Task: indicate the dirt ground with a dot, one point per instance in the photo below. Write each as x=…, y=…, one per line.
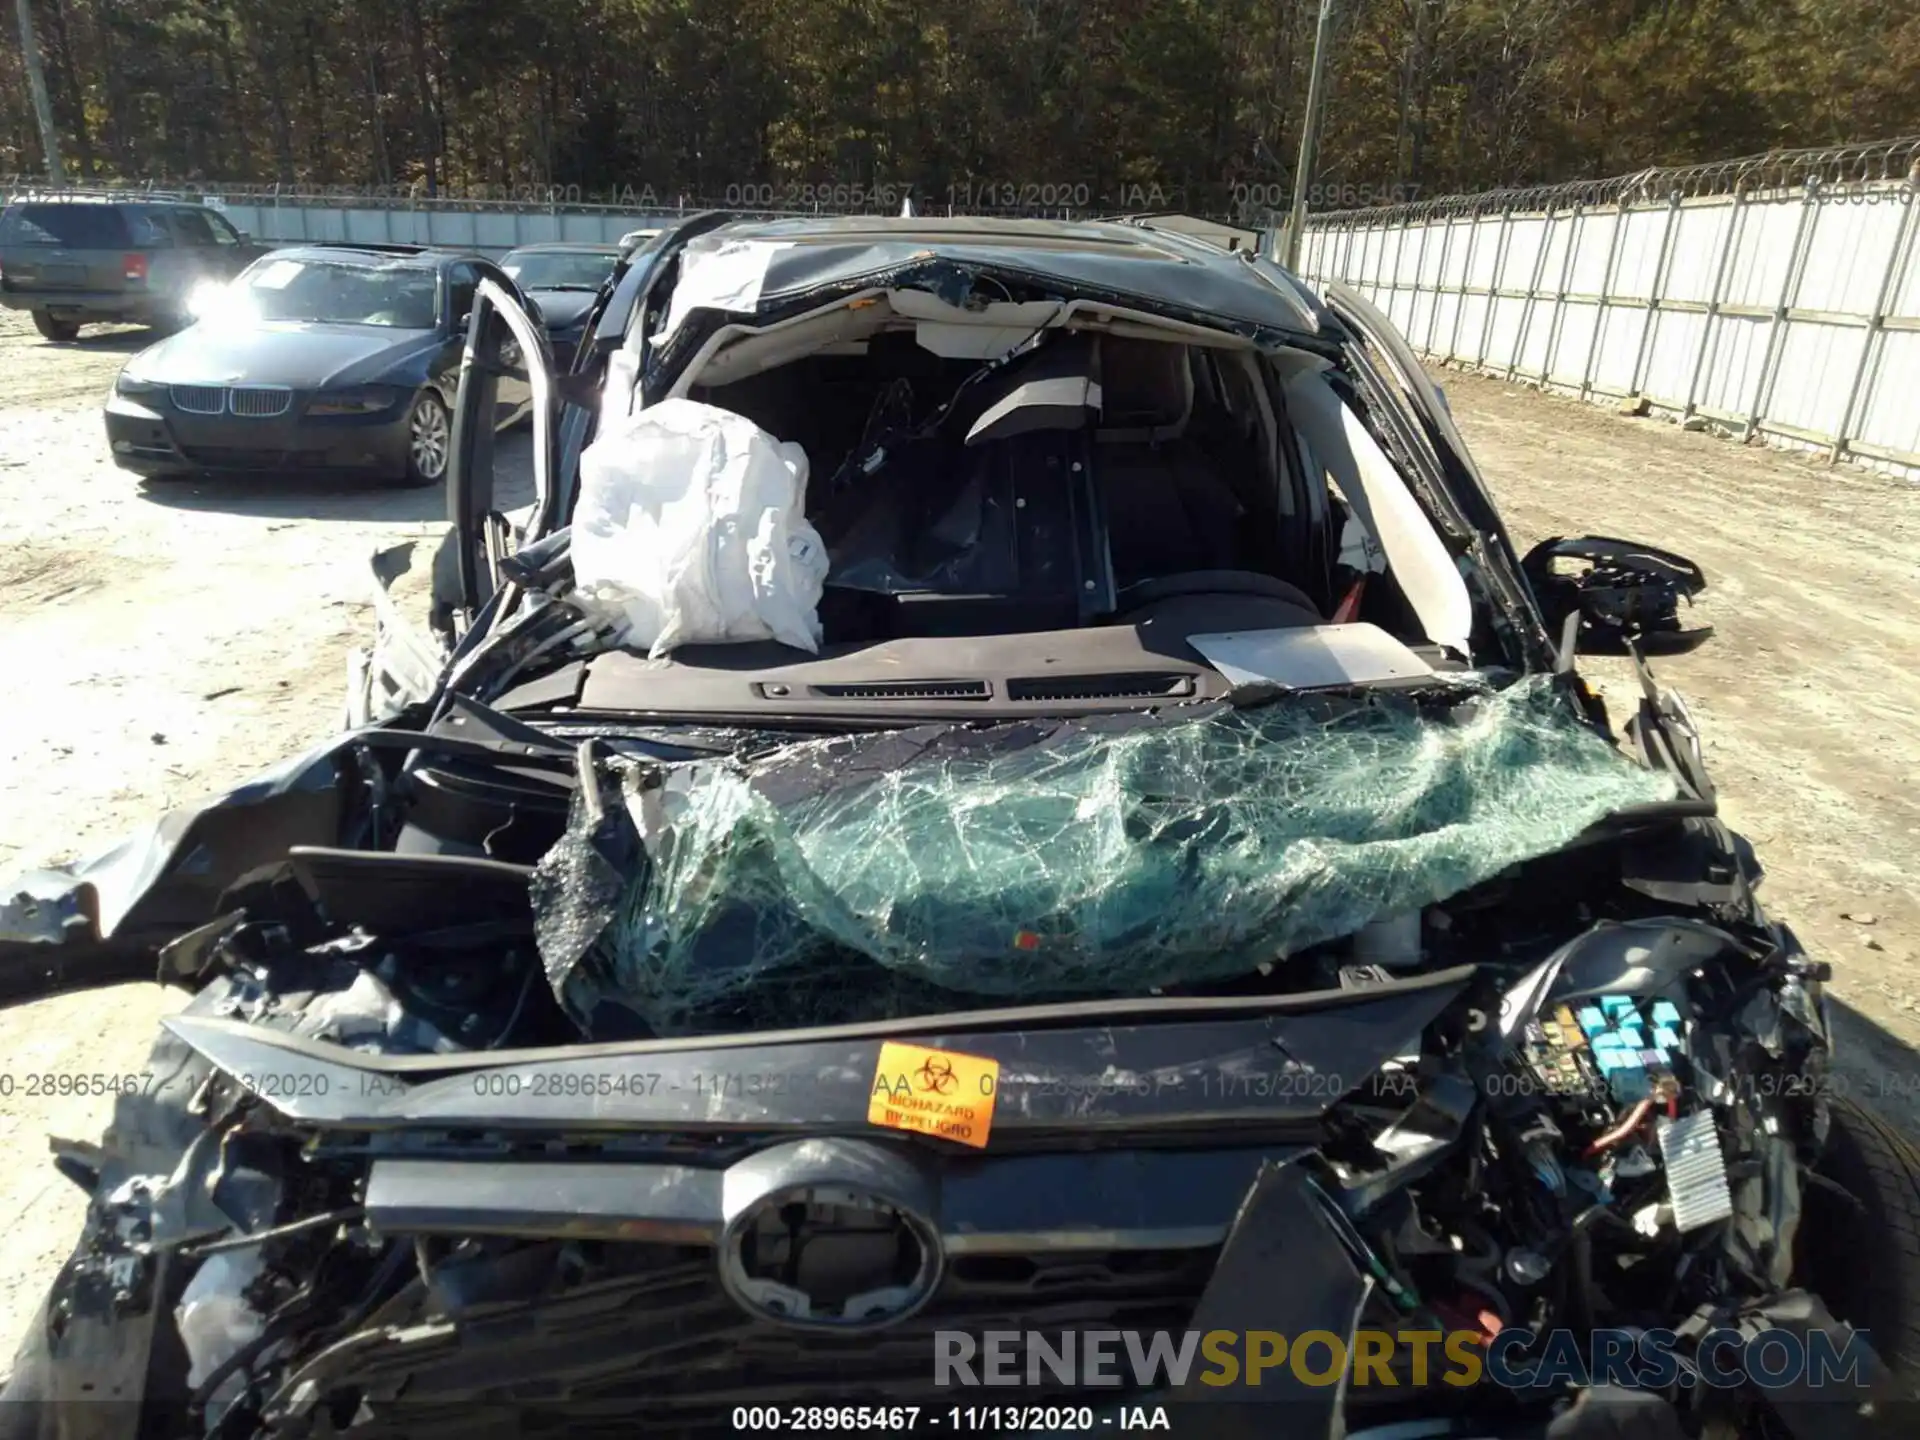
x=163, y=641
x=1805, y=696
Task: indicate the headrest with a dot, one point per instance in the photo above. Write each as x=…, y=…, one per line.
x=1145, y=386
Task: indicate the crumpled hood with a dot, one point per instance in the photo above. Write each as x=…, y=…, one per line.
x=99, y=920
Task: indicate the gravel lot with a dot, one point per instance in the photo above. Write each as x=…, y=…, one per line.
x=166, y=640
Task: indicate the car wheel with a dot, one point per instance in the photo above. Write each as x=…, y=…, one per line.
x=429, y=440
x=1874, y=1286
x=55, y=329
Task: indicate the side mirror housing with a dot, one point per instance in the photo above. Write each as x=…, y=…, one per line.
x=1625, y=594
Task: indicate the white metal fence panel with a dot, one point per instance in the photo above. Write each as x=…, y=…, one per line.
x=491, y=231
x=1777, y=297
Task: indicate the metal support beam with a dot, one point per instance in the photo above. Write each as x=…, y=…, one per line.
x=1309, y=132
x=1439, y=283
x=1493, y=283
x=1419, y=271
x=1399, y=255
x=1607, y=277
x=37, y=83
x=1533, y=291
x=1466, y=278
x=1560, y=295
x=1897, y=260
x=1789, y=290
x=1728, y=243
x=1654, y=292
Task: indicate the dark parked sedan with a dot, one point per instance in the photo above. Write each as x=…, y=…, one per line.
x=562, y=278
x=326, y=358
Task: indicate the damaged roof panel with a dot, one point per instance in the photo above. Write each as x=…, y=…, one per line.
x=743, y=268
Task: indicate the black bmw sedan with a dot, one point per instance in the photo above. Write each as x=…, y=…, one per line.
x=562, y=277
x=315, y=358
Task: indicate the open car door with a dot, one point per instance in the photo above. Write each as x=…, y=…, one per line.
x=502, y=343
x=564, y=407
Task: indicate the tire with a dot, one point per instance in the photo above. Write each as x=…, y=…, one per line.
x=60, y=330
x=1863, y=1258
x=426, y=462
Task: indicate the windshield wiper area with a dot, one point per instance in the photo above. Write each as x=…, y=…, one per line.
x=465, y=726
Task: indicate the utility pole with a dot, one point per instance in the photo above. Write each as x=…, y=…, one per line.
x=37, y=81
x=1309, y=133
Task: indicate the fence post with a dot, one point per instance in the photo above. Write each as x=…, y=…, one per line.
x=1533, y=288
x=1493, y=283
x=1419, y=269
x=1727, y=245
x=1876, y=321
x=1439, y=282
x=1560, y=293
x=1466, y=278
x=1654, y=293
x=1789, y=292
x=1399, y=256
x=1606, y=292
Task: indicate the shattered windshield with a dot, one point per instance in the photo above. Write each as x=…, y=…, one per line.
x=402, y=297
x=560, y=269
x=908, y=872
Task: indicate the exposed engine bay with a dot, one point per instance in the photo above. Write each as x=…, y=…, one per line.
x=365, y=1193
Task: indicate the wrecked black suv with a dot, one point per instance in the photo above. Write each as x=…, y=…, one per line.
x=1009, y=780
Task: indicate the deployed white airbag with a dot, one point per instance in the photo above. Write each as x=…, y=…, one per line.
x=691, y=524
x=1382, y=503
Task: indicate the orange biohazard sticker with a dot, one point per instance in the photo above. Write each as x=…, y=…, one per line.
x=934, y=1092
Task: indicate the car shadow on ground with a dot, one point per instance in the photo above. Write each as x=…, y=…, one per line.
x=295, y=495
x=123, y=340
x=303, y=495
x=1875, y=1067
